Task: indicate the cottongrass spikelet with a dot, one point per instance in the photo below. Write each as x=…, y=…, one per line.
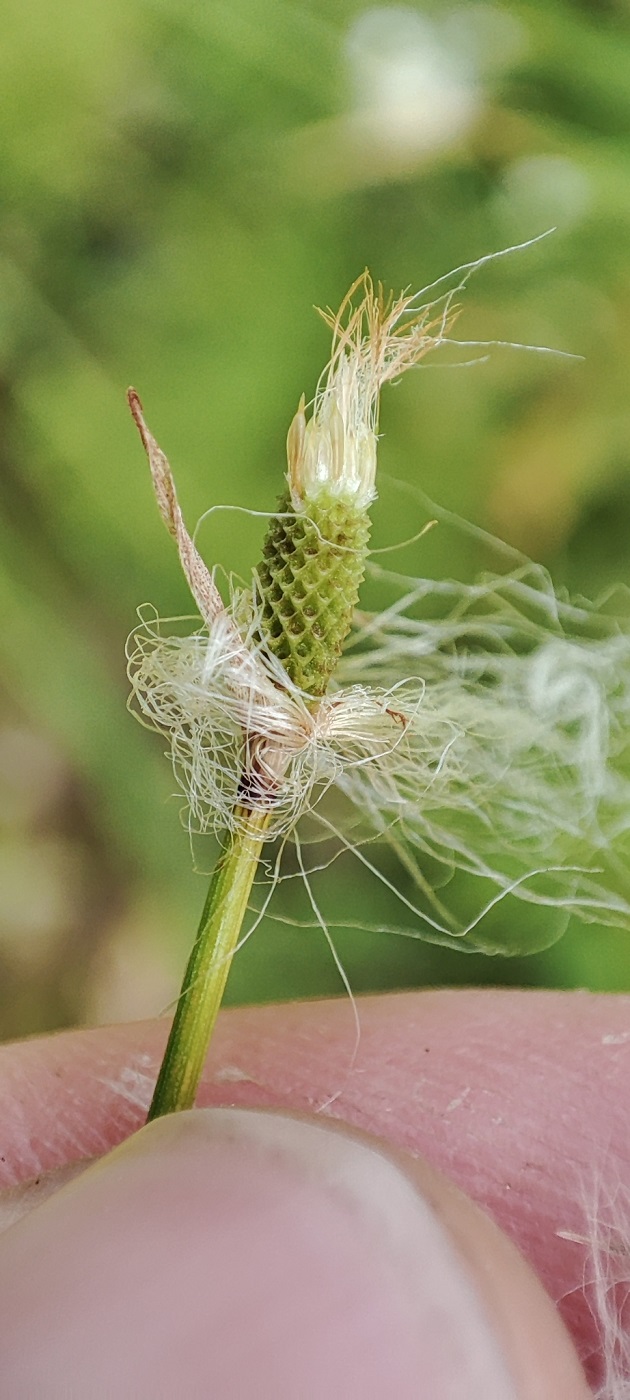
x=470, y=744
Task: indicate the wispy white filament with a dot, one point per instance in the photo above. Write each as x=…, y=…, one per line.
x=516, y=761
x=605, y=1243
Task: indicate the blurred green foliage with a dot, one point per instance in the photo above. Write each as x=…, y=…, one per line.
x=180, y=183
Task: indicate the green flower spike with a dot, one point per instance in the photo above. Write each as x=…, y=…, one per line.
x=254, y=691
x=314, y=554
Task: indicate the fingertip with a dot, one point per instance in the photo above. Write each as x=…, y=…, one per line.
x=246, y=1253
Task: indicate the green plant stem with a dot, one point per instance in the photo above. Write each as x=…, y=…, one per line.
x=208, y=967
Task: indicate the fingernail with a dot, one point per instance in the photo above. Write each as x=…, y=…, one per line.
x=239, y=1254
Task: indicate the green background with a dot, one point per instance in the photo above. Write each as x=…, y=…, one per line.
x=180, y=183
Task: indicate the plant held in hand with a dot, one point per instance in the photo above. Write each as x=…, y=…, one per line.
x=475, y=733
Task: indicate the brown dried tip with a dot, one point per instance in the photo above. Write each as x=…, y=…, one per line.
x=133, y=399
x=198, y=576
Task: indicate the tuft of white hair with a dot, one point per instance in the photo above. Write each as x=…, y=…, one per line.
x=514, y=767
x=477, y=732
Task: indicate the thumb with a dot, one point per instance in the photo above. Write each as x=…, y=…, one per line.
x=243, y=1254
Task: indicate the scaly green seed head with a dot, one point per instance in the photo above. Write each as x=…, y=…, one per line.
x=315, y=550
x=309, y=580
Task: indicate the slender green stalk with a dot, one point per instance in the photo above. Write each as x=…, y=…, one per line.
x=208, y=967
x=303, y=599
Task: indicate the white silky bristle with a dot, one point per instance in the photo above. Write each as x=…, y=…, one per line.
x=605, y=1245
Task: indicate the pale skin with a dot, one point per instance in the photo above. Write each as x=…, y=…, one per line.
x=517, y=1099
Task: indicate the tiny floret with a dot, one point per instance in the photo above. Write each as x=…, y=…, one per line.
x=373, y=341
